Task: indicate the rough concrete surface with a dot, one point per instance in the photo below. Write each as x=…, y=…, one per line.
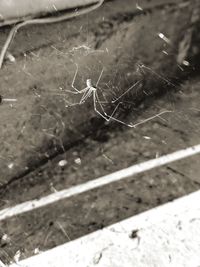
x=99, y=155
x=39, y=131
x=39, y=125
x=160, y=237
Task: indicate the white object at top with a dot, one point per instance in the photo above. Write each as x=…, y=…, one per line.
x=15, y=10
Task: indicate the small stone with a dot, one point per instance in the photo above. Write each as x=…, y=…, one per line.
x=11, y=165
x=36, y=251
x=62, y=163
x=5, y=239
x=77, y=161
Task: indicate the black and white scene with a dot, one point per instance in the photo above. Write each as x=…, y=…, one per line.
x=100, y=133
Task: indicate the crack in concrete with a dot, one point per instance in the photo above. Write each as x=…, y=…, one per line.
x=182, y=174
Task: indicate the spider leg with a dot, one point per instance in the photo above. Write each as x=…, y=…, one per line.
x=73, y=81
x=151, y=118
x=105, y=115
x=129, y=89
x=69, y=104
x=102, y=108
x=104, y=97
x=86, y=95
x=75, y=92
x=142, y=66
x=100, y=103
x=82, y=100
x=99, y=77
x=72, y=85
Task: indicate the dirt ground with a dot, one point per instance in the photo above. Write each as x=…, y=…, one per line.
x=93, y=147
x=117, y=42
x=107, y=151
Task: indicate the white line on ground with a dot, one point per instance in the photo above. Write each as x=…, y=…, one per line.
x=113, y=177
x=166, y=236
x=2, y=264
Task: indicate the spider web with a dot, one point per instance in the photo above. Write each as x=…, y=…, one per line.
x=44, y=116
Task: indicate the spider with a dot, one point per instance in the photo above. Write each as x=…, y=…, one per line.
x=92, y=91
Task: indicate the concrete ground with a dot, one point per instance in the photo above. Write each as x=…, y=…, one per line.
x=105, y=152
x=88, y=146
x=163, y=236
x=117, y=43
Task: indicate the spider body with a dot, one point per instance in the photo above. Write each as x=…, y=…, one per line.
x=89, y=83
x=92, y=91
x=88, y=91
